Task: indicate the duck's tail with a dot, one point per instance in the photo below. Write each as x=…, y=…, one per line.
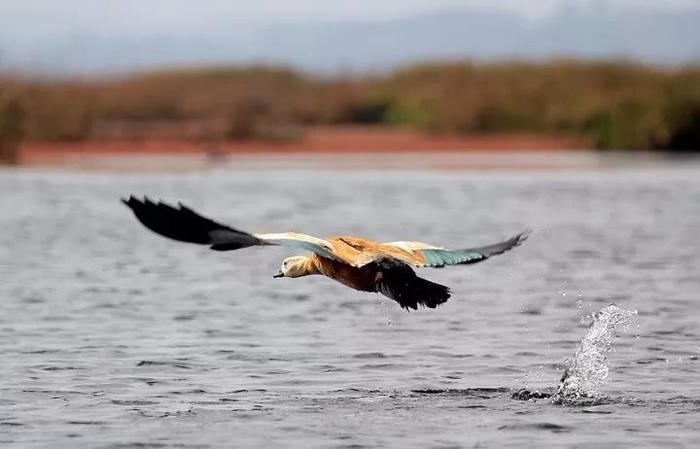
x=399, y=282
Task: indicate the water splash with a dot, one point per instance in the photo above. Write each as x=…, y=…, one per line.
x=588, y=370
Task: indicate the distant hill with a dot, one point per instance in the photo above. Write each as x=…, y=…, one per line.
x=665, y=37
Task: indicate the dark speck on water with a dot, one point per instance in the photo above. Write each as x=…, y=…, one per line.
x=113, y=337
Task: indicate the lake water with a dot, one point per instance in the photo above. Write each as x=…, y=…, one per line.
x=112, y=337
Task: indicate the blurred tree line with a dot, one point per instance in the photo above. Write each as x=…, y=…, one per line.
x=11, y=128
x=615, y=105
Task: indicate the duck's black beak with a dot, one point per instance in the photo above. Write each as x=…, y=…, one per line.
x=279, y=274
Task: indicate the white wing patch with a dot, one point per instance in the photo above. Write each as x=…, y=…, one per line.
x=277, y=236
x=413, y=246
x=296, y=240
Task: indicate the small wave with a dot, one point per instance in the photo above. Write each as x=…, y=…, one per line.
x=132, y=402
x=369, y=355
x=555, y=428
x=476, y=393
x=163, y=363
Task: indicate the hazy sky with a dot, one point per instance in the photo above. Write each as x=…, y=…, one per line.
x=94, y=34
x=22, y=20
x=21, y=14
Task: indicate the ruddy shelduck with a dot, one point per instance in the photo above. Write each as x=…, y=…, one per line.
x=364, y=265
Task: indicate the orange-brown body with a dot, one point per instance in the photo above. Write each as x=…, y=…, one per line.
x=364, y=278
x=361, y=274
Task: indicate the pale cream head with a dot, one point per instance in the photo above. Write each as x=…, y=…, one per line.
x=293, y=267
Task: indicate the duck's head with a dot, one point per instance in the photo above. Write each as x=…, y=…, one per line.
x=293, y=267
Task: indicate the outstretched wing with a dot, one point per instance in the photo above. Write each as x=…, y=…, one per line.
x=183, y=224
x=426, y=255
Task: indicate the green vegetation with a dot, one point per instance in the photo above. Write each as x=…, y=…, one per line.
x=11, y=128
x=615, y=105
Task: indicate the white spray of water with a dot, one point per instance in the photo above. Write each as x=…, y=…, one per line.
x=588, y=370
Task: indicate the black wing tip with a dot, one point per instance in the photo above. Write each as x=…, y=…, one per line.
x=174, y=222
x=524, y=235
x=178, y=222
x=130, y=202
x=135, y=202
x=509, y=244
x=489, y=251
x=513, y=242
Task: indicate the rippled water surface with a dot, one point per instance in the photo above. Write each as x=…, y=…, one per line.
x=112, y=337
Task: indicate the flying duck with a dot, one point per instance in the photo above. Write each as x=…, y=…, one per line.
x=364, y=265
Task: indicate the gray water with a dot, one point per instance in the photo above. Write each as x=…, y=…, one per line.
x=112, y=337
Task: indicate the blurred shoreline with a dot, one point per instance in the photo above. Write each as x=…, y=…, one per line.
x=326, y=141
x=336, y=148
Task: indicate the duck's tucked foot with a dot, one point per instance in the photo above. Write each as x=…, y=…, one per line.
x=399, y=282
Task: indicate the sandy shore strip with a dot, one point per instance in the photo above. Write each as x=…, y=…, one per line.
x=337, y=148
x=442, y=161
x=321, y=140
